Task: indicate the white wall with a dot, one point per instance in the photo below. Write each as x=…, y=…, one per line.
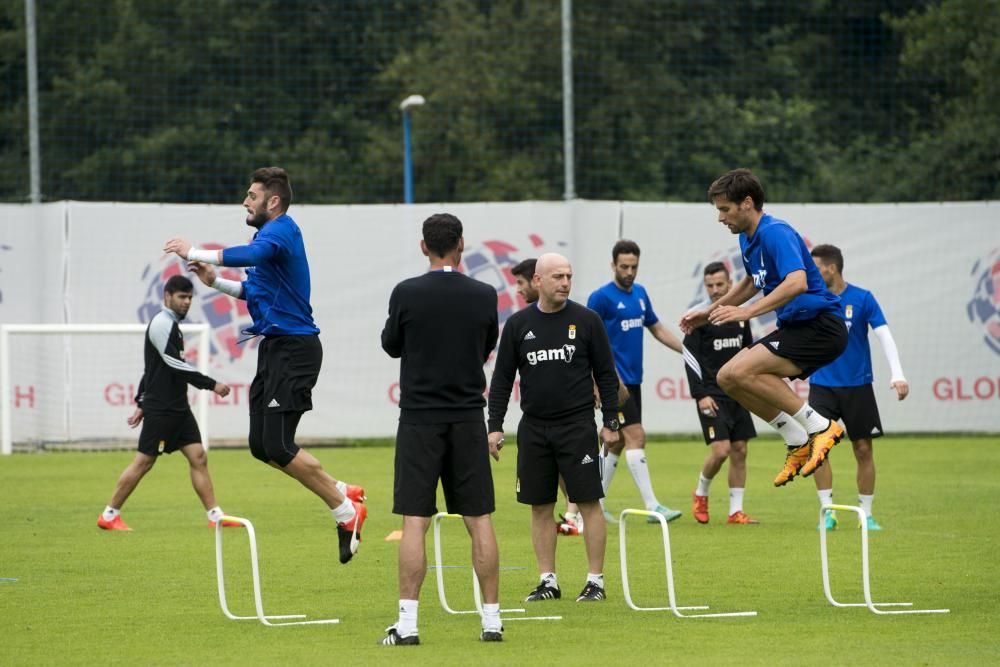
x=101, y=262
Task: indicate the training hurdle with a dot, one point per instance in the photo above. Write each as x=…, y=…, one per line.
x=476, y=591
x=671, y=597
x=865, y=572
x=255, y=570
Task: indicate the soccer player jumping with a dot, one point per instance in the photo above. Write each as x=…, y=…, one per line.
x=810, y=332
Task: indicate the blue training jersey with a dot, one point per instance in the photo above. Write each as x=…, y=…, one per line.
x=853, y=368
x=774, y=251
x=277, y=286
x=625, y=316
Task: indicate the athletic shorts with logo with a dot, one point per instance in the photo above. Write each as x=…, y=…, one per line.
x=544, y=452
x=458, y=454
x=855, y=405
x=731, y=422
x=166, y=433
x=287, y=370
x=631, y=411
x=809, y=344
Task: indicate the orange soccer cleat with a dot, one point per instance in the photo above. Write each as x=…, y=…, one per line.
x=794, y=460
x=227, y=523
x=114, y=524
x=356, y=493
x=740, y=517
x=822, y=443
x=699, y=508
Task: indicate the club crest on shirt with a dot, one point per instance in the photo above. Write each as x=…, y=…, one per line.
x=572, y=332
x=642, y=304
x=849, y=311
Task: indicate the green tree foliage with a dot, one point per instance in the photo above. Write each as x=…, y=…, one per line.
x=869, y=100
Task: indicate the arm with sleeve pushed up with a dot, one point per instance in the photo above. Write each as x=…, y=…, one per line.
x=159, y=336
x=502, y=383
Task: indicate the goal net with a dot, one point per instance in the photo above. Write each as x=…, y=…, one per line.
x=72, y=386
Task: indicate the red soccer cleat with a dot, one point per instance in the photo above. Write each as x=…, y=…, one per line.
x=356, y=493
x=699, y=508
x=114, y=524
x=740, y=517
x=349, y=533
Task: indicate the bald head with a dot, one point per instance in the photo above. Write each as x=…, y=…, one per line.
x=553, y=279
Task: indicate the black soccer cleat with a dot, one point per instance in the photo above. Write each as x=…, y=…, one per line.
x=349, y=533
x=492, y=635
x=590, y=593
x=544, y=592
x=393, y=638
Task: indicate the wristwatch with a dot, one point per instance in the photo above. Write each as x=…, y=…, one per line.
x=612, y=424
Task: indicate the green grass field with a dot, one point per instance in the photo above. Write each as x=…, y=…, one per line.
x=86, y=597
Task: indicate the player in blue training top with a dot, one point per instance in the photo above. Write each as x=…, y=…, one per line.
x=276, y=290
x=843, y=389
x=810, y=332
x=627, y=312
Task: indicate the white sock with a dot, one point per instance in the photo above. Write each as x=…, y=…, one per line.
x=596, y=579
x=549, y=579
x=810, y=420
x=343, y=512
x=636, y=459
x=407, y=624
x=866, y=503
x=790, y=430
x=735, y=500
x=825, y=496
x=491, y=617
x=703, y=484
x=110, y=513
x=215, y=514
x=342, y=487
x=610, y=464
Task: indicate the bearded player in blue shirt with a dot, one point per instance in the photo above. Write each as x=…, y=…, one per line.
x=627, y=312
x=843, y=389
x=810, y=331
x=276, y=290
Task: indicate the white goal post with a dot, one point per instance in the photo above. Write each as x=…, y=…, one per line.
x=67, y=367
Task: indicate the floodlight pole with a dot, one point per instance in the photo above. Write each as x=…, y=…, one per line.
x=34, y=144
x=404, y=106
x=569, y=193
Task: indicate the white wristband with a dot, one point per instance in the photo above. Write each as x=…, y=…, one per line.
x=231, y=287
x=206, y=256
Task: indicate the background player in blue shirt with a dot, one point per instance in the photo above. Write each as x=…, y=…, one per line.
x=843, y=389
x=810, y=332
x=627, y=312
x=276, y=290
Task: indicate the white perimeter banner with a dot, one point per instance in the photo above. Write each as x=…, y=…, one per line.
x=935, y=269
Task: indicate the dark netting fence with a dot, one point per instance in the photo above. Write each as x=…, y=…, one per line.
x=861, y=100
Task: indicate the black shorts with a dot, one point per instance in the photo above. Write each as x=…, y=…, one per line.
x=546, y=452
x=731, y=422
x=855, y=405
x=287, y=370
x=809, y=344
x=166, y=433
x=456, y=453
x=631, y=411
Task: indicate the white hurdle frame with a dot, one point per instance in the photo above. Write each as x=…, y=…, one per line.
x=865, y=571
x=255, y=569
x=477, y=595
x=671, y=596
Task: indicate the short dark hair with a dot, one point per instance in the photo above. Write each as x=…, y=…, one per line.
x=736, y=186
x=525, y=269
x=275, y=182
x=830, y=254
x=624, y=247
x=716, y=267
x=177, y=284
x=442, y=232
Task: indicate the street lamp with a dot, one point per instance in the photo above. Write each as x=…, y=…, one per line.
x=404, y=106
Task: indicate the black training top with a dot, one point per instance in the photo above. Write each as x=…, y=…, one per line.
x=559, y=356
x=163, y=388
x=443, y=326
x=707, y=349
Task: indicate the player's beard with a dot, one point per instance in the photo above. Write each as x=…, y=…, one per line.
x=257, y=219
x=626, y=283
